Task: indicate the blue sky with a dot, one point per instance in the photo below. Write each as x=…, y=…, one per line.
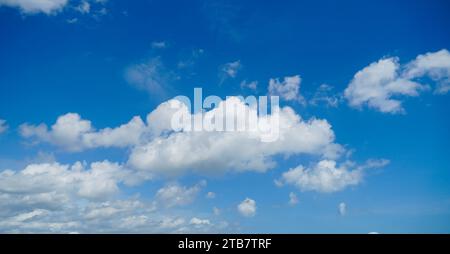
x=375, y=72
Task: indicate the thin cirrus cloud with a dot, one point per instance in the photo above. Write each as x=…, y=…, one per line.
x=159, y=44
x=383, y=84
x=157, y=77
x=151, y=76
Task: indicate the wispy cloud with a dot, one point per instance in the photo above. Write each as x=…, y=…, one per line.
x=3, y=126
x=84, y=7
x=342, y=209
x=159, y=44
x=151, y=76
x=229, y=70
x=252, y=85
x=325, y=96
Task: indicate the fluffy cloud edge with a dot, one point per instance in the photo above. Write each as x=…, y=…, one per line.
x=382, y=85
x=327, y=176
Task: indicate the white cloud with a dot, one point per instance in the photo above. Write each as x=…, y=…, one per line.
x=288, y=89
x=51, y=182
x=73, y=133
x=156, y=149
x=3, y=126
x=324, y=177
x=371, y=163
x=113, y=216
x=210, y=195
x=342, y=208
x=383, y=84
x=36, y=6
x=199, y=222
x=160, y=120
x=111, y=208
x=84, y=7
x=229, y=70
x=29, y=215
x=159, y=44
x=436, y=65
x=172, y=222
x=182, y=151
x=53, y=197
x=247, y=207
x=253, y=85
x=57, y=198
x=72, y=20
x=378, y=84
x=327, y=177
x=293, y=200
x=177, y=195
